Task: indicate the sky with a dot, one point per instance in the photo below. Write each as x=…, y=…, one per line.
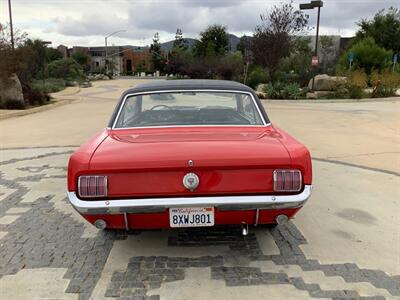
x=87, y=22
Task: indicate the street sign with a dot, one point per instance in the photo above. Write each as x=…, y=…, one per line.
x=351, y=57
x=314, y=61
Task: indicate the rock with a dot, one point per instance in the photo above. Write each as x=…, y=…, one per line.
x=261, y=95
x=260, y=87
x=310, y=95
x=11, y=89
x=324, y=82
x=86, y=84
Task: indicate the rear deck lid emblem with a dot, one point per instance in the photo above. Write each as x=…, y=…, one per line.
x=191, y=181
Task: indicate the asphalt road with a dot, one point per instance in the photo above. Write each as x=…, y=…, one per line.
x=344, y=244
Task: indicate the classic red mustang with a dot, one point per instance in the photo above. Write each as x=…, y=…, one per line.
x=189, y=153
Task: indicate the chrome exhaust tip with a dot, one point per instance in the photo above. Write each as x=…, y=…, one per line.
x=245, y=229
x=100, y=224
x=281, y=219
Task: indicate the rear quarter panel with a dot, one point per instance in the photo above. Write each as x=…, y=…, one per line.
x=299, y=154
x=79, y=161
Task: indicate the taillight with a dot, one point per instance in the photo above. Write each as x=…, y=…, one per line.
x=92, y=186
x=287, y=180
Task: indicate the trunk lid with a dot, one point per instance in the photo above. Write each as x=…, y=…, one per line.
x=152, y=162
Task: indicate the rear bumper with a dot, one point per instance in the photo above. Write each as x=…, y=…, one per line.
x=155, y=205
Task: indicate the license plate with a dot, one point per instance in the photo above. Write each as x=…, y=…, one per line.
x=191, y=216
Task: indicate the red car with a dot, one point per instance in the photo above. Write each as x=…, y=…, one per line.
x=189, y=153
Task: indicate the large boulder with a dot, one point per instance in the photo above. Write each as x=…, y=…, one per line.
x=11, y=90
x=325, y=82
x=260, y=87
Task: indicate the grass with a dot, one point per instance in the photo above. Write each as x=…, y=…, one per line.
x=50, y=85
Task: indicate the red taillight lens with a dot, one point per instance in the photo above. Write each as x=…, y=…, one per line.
x=287, y=180
x=92, y=186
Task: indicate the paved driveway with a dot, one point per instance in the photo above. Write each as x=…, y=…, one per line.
x=345, y=243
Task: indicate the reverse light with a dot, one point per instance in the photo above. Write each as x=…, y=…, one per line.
x=92, y=186
x=287, y=180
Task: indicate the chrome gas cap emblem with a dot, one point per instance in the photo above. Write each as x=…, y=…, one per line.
x=191, y=181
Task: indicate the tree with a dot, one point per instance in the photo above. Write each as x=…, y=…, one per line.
x=157, y=59
x=384, y=28
x=367, y=55
x=297, y=66
x=179, y=42
x=328, y=54
x=66, y=68
x=213, y=41
x=53, y=54
x=83, y=59
x=274, y=38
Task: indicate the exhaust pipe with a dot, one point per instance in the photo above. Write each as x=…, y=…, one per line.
x=245, y=229
x=281, y=219
x=100, y=224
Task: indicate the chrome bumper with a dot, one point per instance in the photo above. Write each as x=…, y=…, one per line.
x=149, y=205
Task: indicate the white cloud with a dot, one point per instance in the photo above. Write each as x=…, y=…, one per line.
x=86, y=22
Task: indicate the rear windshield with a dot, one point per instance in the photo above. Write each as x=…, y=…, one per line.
x=188, y=108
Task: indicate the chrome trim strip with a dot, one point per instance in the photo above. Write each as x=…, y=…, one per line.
x=160, y=204
x=184, y=91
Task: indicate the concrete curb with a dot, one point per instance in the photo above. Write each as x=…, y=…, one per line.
x=56, y=103
x=389, y=99
x=19, y=113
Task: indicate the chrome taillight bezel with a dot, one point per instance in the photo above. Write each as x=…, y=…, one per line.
x=291, y=172
x=96, y=178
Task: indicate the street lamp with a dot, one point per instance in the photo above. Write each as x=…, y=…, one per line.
x=105, y=39
x=11, y=24
x=312, y=5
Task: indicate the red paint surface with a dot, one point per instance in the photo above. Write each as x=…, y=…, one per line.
x=151, y=162
x=161, y=220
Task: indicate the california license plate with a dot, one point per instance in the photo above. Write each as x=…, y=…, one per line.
x=191, y=216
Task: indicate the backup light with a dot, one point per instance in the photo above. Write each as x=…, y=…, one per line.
x=287, y=180
x=92, y=186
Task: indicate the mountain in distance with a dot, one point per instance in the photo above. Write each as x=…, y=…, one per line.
x=233, y=42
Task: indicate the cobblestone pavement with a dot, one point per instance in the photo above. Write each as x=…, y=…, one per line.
x=332, y=250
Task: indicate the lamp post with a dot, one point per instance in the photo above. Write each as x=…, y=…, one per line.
x=105, y=39
x=11, y=24
x=312, y=5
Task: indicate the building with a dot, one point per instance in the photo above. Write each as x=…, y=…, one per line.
x=122, y=60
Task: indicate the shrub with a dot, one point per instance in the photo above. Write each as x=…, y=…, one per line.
x=367, y=55
x=66, y=68
x=356, y=83
x=256, y=76
x=12, y=104
x=51, y=85
x=385, y=83
x=34, y=97
x=279, y=90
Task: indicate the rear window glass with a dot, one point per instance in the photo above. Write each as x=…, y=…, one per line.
x=188, y=108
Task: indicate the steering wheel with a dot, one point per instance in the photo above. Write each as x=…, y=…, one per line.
x=160, y=105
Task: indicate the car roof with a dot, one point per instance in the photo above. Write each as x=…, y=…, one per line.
x=189, y=84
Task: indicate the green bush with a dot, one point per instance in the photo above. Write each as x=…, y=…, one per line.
x=385, y=83
x=50, y=85
x=280, y=90
x=256, y=76
x=367, y=55
x=66, y=68
x=356, y=83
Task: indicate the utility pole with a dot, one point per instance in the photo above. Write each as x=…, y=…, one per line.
x=106, y=50
x=11, y=24
x=312, y=5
